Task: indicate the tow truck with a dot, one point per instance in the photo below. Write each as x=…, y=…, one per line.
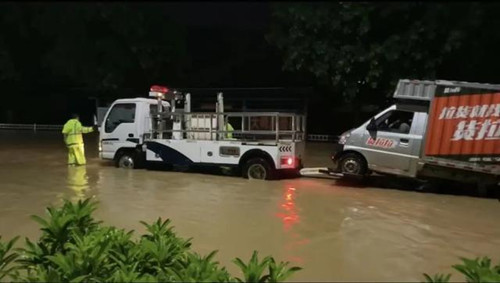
x=162, y=129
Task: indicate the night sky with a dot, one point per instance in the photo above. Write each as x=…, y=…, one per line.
x=223, y=42
x=242, y=15
x=230, y=33
x=227, y=31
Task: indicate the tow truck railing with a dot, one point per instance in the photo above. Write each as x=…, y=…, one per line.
x=294, y=128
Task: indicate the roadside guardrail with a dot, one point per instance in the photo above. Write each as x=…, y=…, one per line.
x=33, y=127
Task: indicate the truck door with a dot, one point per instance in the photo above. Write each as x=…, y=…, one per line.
x=119, y=129
x=392, y=146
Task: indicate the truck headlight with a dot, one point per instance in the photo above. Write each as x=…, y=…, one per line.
x=343, y=138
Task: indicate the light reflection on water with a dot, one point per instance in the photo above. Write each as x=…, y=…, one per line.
x=78, y=182
x=290, y=217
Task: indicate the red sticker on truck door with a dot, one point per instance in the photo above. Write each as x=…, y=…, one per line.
x=381, y=142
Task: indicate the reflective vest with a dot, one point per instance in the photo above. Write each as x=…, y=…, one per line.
x=229, y=128
x=73, y=131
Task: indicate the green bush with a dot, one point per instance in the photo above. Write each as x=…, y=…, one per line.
x=75, y=247
x=477, y=270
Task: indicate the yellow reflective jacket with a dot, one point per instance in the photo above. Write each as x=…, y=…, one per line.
x=73, y=131
x=229, y=128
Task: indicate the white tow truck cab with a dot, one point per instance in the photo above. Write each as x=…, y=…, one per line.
x=138, y=131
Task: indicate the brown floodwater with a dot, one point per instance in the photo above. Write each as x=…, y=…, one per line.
x=335, y=232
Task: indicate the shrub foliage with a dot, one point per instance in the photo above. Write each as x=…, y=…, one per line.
x=477, y=270
x=75, y=247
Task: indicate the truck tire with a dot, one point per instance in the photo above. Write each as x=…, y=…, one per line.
x=127, y=160
x=353, y=164
x=259, y=169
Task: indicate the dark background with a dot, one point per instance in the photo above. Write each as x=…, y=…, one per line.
x=58, y=58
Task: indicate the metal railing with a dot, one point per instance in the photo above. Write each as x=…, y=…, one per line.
x=34, y=127
x=293, y=128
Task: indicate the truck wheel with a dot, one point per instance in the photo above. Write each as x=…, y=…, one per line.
x=353, y=164
x=258, y=168
x=127, y=160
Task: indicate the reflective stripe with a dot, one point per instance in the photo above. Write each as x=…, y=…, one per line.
x=74, y=144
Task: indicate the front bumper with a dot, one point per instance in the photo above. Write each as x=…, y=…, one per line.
x=335, y=156
x=300, y=164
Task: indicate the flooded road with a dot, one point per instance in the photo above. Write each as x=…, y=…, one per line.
x=337, y=233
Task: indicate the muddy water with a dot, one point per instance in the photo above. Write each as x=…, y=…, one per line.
x=336, y=233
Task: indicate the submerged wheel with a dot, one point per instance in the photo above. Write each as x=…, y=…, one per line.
x=486, y=189
x=353, y=164
x=258, y=168
x=127, y=161
x=228, y=171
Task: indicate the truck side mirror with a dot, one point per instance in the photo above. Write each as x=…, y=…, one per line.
x=372, y=126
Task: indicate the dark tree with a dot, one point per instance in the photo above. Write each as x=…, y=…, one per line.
x=360, y=50
x=103, y=46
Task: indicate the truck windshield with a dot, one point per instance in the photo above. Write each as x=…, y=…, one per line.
x=120, y=113
x=395, y=121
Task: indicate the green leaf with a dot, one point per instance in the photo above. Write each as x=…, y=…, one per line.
x=40, y=220
x=437, y=278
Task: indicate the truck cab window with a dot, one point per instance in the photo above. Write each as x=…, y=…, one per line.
x=153, y=109
x=121, y=113
x=395, y=121
x=166, y=123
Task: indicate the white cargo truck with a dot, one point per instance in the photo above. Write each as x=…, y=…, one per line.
x=139, y=131
x=444, y=130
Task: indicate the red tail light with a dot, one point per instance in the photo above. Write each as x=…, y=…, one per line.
x=287, y=161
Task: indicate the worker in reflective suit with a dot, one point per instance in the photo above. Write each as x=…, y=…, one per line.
x=72, y=132
x=229, y=129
